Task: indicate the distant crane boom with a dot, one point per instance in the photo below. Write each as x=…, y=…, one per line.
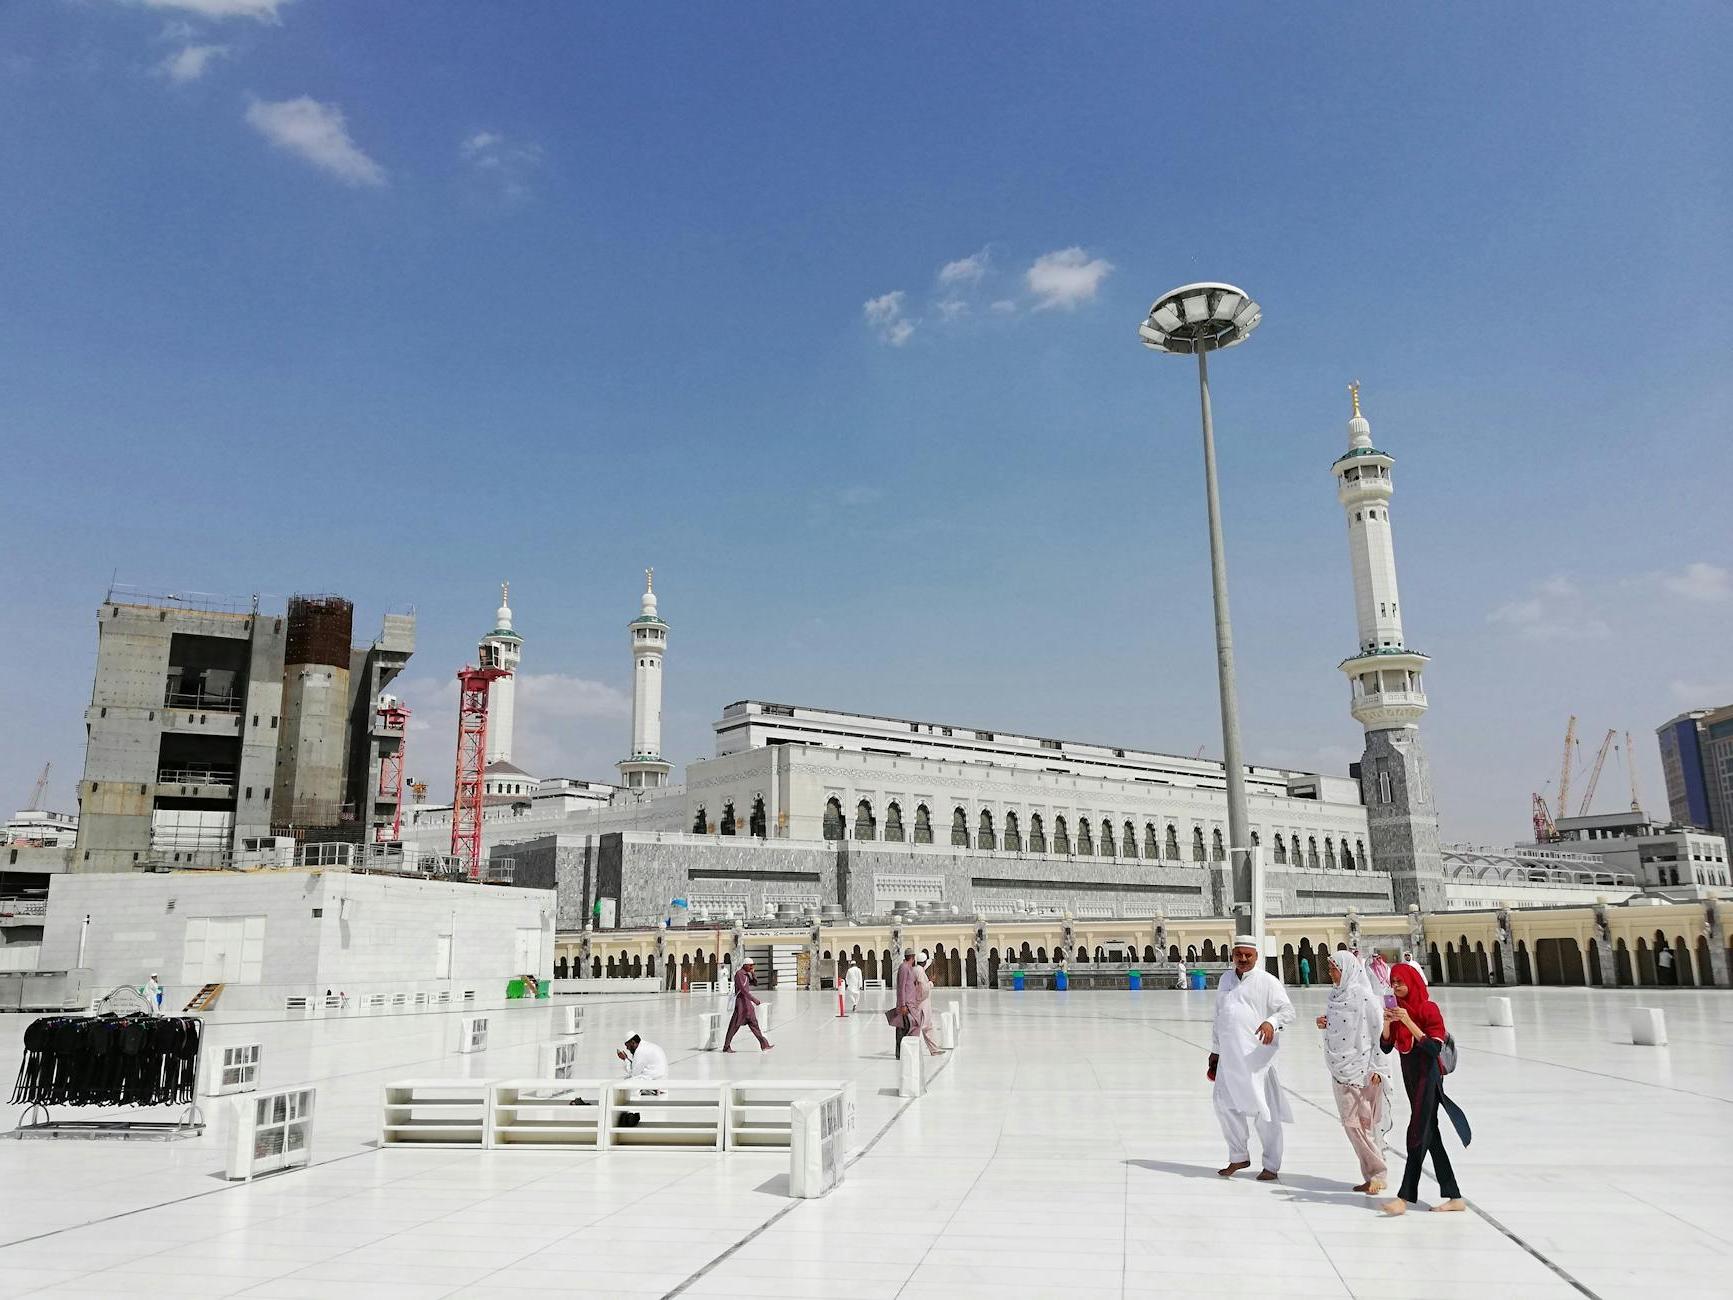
x=41, y=788
x=1564, y=776
x=1595, y=774
x=1544, y=831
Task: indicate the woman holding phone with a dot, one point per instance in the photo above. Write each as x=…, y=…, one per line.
x=1415, y=1028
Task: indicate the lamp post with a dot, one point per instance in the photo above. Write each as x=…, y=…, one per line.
x=1197, y=319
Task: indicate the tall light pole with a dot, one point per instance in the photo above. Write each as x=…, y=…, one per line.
x=1197, y=319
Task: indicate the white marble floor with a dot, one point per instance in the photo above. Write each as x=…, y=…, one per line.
x=1066, y=1150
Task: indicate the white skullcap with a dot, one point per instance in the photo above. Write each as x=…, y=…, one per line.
x=1246, y=941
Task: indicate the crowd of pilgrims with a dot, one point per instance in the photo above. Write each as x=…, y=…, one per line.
x=136, y=1060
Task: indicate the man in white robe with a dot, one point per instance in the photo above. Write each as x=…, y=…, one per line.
x=853, y=982
x=1252, y=1010
x=644, y=1061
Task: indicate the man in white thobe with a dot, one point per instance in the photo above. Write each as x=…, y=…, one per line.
x=852, y=984
x=645, y=1062
x=1252, y=1009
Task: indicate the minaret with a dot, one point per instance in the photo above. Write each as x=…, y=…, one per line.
x=1387, y=697
x=646, y=769
x=501, y=648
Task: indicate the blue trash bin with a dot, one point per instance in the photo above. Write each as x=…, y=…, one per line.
x=1061, y=980
x=1136, y=979
x=1199, y=980
x=1017, y=981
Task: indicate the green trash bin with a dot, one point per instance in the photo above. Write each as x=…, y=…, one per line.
x=515, y=989
x=1017, y=981
x=1135, y=978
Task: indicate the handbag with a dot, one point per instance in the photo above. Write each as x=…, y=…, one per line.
x=1447, y=1055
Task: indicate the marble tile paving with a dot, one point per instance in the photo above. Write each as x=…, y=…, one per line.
x=1067, y=1149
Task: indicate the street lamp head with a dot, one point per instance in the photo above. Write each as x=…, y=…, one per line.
x=1203, y=317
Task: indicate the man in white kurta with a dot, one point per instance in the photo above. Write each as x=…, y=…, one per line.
x=645, y=1061
x=1252, y=1010
x=852, y=983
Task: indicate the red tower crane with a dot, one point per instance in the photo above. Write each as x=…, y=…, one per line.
x=393, y=716
x=466, y=797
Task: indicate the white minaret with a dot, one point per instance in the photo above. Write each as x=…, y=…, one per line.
x=501, y=648
x=1387, y=697
x=646, y=769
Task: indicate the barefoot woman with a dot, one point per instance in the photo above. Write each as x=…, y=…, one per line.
x=1415, y=1028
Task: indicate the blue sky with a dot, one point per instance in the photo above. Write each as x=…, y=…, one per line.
x=400, y=300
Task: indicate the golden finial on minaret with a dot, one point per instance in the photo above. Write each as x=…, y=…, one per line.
x=1354, y=390
x=650, y=579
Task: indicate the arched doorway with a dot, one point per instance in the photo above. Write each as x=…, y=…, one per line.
x=1434, y=967
x=1524, y=967
x=937, y=970
x=1595, y=963
x=833, y=818
x=1558, y=962
x=1483, y=971
x=1705, y=969
x=992, y=968
x=1622, y=973
x=1290, y=965
x=971, y=977
x=1645, y=965
x=1682, y=970
x=755, y=824
x=1495, y=973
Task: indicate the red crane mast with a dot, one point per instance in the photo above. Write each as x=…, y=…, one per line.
x=466, y=799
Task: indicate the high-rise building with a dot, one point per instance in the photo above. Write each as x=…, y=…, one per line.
x=1697, y=761
x=646, y=768
x=209, y=727
x=1387, y=696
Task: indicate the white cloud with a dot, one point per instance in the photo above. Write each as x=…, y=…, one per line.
x=190, y=63
x=264, y=11
x=317, y=133
x=1705, y=583
x=1066, y=278
x=1558, y=610
x=505, y=162
x=966, y=270
x=1004, y=307
x=951, y=308
x=885, y=313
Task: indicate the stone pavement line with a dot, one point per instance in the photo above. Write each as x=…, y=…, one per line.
x=794, y=1205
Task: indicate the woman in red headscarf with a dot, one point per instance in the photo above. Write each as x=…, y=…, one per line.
x=1415, y=1028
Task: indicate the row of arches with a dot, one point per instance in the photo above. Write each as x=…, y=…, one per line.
x=1101, y=838
x=729, y=824
x=1662, y=962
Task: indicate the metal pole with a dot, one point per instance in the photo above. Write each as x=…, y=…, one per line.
x=1239, y=832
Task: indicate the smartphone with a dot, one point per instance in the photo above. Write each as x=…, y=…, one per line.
x=1390, y=1001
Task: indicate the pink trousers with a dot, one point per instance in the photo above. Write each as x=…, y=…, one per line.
x=1361, y=1110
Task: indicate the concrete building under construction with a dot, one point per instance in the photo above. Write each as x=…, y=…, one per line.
x=214, y=730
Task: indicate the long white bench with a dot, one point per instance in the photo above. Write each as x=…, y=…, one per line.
x=547, y=1114
x=690, y=1114
x=761, y=1111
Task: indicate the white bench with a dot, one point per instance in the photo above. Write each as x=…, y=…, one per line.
x=688, y=1114
x=556, y=1114
x=761, y=1111
x=435, y=1112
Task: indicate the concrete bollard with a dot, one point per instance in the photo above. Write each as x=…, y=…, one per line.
x=1498, y=1013
x=911, y=1080
x=711, y=1031
x=947, y=1031
x=1648, y=1027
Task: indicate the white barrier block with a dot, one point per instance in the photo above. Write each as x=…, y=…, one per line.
x=570, y=1020
x=710, y=1031
x=558, y=1060
x=817, y=1145
x=1498, y=1013
x=947, y=1031
x=911, y=1081
x=1648, y=1027
x=268, y=1131
x=233, y=1068
x=471, y=1034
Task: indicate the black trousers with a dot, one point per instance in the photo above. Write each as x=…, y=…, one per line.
x=1434, y=1147
x=1425, y=1088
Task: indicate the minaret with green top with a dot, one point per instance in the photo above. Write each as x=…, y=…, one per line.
x=501, y=648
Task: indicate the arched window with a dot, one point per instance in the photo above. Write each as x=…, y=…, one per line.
x=832, y=818
x=1171, y=852
x=923, y=825
x=1128, y=841
x=1281, y=851
x=1311, y=850
x=1348, y=861
x=1216, y=853
x=894, y=823
x=1329, y=853
x=1061, y=837
x=1256, y=842
x=1037, y=834
x=699, y=825
x=1360, y=855
x=960, y=829
x=1107, y=837
x=1299, y=859
x=984, y=837
x=1013, y=836
x=755, y=819
x=865, y=828
x=1197, y=844
x=728, y=818
x=1085, y=841
x=1151, y=844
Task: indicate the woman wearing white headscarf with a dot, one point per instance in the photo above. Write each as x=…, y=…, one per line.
x=1353, y=1023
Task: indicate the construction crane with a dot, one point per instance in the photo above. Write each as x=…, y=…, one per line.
x=1564, y=776
x=1595, y=775
x=1544, y=830
x=41, y=788
x=393, y=715
x=466, y=793
x=1631, y=769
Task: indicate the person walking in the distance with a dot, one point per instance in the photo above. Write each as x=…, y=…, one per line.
x=1252, y=1009
x=745, y=1009
x=1353, y=1022
x=1305, y=972
x=904, y=1015
x=1415, y=1028
x=852, y=984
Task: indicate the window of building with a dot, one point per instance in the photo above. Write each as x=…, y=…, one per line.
x=1037, y=834
x=894, y=823
x=1197, y=844
x=1013, y=834
x=1128, y=841
x=984, y=837
x=959, y=829
x=1085, y=840
x=1216, y=851
x=1171, y=853
x=832, y=819
x=923, y=825
x=1061, y=837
